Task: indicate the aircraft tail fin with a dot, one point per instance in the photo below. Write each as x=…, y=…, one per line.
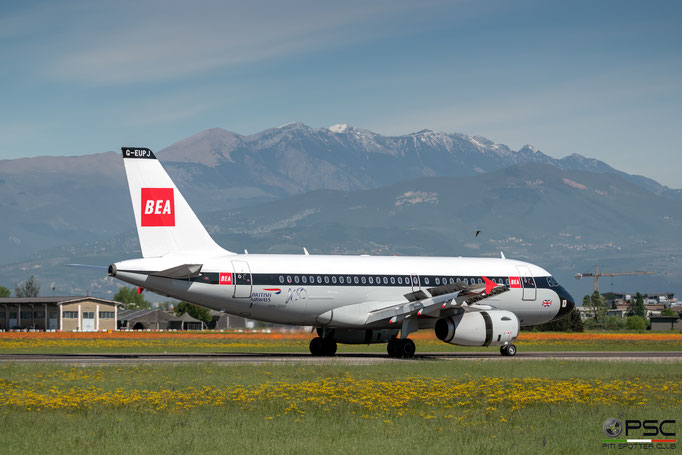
x=165, y=222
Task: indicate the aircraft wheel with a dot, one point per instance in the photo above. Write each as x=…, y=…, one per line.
x=328, y=346
x=316, y=346
x=511, y=350
x=407, y=348
x=392, y=348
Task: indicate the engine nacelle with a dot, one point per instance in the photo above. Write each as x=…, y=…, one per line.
x=479, y=328
x=355, y=336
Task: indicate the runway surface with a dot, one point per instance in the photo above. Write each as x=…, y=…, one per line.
x=344, y=358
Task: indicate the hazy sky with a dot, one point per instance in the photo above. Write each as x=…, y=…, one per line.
x=603, y=79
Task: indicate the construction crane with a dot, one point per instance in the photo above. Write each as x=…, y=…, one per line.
x=598, y=274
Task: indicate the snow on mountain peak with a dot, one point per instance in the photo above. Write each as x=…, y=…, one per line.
x=339, y=128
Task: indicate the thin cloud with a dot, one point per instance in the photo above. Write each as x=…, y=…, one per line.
x=125, y=43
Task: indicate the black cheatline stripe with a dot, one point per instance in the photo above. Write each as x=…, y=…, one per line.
x=273, y=279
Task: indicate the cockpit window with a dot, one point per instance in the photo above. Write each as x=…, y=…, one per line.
x=552, y=282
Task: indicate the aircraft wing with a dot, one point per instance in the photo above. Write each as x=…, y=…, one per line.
x=181, y=271
x=432, y=301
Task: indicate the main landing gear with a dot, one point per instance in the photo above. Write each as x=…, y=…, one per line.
x=401, y=348
x=322, y=347
x=508, y=350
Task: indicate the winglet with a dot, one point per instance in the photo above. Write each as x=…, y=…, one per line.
x=489, y=285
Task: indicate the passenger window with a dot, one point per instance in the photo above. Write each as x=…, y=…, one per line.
x=371, y=280
x=378, y=280
x=304, y=280
x=480, y=281
x=281, y=279
x=452, y=281
x=364, y=280
x=289, y=279
x=334, y=279
x=506, y=281
x=392, y=280
x=355, y=280
x=426, y=280
x=400, y=280
x=312, y=279
x=459, y=280
x=466, y=281
x=341, y=279
x=437, y=281
x=326, y=279
x=319, y=279
x=385, y=280
x=296, y=279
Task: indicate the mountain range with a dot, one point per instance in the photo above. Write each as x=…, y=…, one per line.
x=346, y=190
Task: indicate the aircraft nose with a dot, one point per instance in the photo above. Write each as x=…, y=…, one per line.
x=566, y=303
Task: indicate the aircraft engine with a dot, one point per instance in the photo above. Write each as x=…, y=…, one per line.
x=479, y=328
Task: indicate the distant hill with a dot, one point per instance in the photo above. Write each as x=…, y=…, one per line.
x=51, y=201
x=565, y=221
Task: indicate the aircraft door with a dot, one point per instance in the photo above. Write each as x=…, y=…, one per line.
x=415, y=283
x=530, y=290
x=242, y=279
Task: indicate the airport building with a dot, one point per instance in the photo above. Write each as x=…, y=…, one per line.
x=151, y=319
x=66, y=314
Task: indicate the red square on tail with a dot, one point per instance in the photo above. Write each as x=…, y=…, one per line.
x=514, y=282
x=225, y=278
x=158, y=207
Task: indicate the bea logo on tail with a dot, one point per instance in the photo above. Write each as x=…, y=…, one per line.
x=158, y=207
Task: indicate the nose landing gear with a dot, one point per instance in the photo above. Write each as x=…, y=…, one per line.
x=401, y=348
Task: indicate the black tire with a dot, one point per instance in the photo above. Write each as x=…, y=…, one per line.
x=392, y=348
x=503, y=350
x=328, y=346
x=316, y=347
x=407, y=348
x=511, y=350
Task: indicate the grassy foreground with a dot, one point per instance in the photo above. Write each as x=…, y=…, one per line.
x=122, y=342
x=415, y=406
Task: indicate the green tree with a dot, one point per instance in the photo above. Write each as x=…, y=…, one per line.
x=164, y=306
x=669, y=312
x=28, y=288
x=571, y=323
x=636, y=306
x=131, y=299
x=636, y=323
x=596, y=303
x=4, y=292
x=195, y=311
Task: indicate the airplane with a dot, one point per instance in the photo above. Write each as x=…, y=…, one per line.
x=347, y=299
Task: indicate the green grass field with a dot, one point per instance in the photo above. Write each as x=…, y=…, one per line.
x=414, y=406
x=210, y=342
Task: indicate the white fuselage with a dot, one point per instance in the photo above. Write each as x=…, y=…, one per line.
x=315, y=289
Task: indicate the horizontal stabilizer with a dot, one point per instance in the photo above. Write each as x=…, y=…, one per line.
x=86, y=266
x=181, y=271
